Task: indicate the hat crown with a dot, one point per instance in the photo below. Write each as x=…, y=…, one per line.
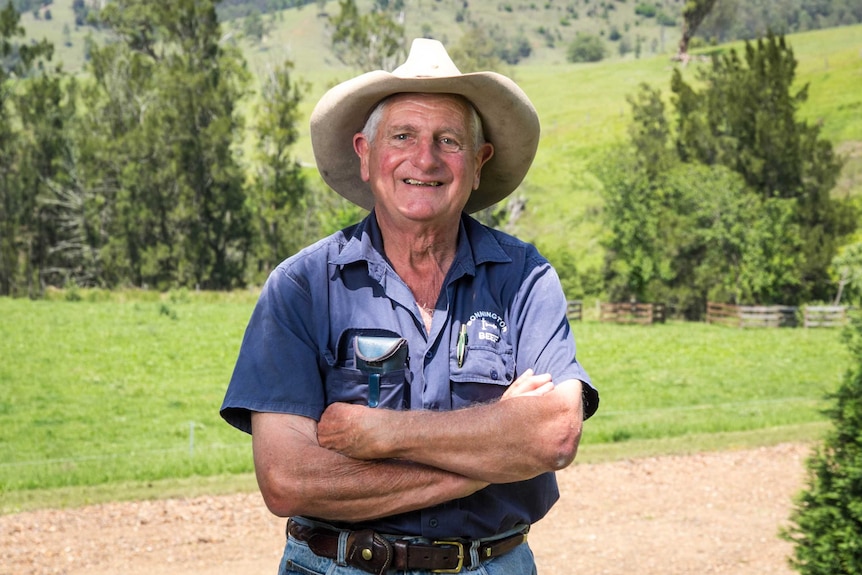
x=427, y=59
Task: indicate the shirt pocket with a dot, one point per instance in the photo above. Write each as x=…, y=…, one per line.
x=486, y=371
x=345, y=383
x=349, y=385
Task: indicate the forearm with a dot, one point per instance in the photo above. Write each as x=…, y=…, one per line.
x=502, y=442
x=298, y=477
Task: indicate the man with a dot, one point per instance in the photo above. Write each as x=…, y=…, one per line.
x=410, y=382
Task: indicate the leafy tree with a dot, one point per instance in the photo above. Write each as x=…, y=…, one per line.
x=11, y=207
x=45, y=104
x=586, y=48
x=826, y=523
x=372, y=41
x=693, y=13
x=33, y=115
x=279, y=191
x=122, y=162
x=690, y=233
x=847, y=266
x=175, y=185
x=726, y=202
x=744, y=117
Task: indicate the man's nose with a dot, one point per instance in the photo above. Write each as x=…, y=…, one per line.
x=426, y=153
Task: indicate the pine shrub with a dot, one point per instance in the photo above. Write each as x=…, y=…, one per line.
x=826, y=523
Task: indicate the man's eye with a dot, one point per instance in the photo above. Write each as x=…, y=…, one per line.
x=449, y=145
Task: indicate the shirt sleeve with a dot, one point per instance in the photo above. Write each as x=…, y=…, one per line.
x=277, y=367
x=545, y=340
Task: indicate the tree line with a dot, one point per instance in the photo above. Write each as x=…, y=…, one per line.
x=142, y=171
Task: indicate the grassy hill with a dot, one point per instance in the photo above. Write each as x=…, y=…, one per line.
x=582, y=107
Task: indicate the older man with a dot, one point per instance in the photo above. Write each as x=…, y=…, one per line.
x=410, y=382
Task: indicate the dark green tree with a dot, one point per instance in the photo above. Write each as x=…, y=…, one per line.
x=174, y=182
x=826, y=523
x=55, y=232
x=586, y=48
x=11, y=198
x=278, y=194
x=744, y=117
x=122, y=161
x=33, y=116
x=725, y=202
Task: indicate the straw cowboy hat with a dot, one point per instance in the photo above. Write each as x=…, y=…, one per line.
x=508, y=117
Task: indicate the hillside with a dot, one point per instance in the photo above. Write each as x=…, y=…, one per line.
x=582, y=107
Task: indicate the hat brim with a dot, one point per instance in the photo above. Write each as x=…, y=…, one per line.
x=508, y=117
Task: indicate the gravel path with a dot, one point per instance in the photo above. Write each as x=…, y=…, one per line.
x=699, y=514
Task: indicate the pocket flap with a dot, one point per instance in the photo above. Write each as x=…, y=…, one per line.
x=375, y=354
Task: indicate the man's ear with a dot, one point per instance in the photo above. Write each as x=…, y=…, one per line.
x=362, y=147
x=483, y=154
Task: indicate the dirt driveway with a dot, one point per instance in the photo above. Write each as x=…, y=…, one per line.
x=707, y=513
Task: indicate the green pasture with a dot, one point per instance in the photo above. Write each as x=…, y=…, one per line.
x=116, y=395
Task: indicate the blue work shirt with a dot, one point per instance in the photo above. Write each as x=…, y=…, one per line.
x=297, y=354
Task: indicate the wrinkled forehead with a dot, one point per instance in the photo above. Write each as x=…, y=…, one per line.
x=459, y=110
x=450, y=103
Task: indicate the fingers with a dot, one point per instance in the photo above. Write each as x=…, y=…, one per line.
x=529, y=384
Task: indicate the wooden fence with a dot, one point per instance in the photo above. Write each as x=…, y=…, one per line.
x=824, y=316
x=642, y=313
x=751, y=315
x=574, y=310
x=722, y=313
x=718, y=313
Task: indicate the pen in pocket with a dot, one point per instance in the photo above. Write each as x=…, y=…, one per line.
x=461, y=349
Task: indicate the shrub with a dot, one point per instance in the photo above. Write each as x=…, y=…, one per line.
x=826, y=524
x=646, y=10
x=586, y=48
x=665, y=19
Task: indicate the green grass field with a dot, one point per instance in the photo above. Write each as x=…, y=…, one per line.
x=115, y=393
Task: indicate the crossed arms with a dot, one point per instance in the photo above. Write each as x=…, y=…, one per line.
x=360, y=463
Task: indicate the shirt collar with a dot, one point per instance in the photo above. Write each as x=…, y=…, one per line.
x=477, y=245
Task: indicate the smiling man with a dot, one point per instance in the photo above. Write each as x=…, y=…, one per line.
x=410, y=383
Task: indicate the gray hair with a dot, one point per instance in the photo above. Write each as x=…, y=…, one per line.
x=373, y=122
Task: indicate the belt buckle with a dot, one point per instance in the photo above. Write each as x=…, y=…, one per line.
x=460, y=564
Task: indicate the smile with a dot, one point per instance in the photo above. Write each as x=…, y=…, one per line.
x=413, y=182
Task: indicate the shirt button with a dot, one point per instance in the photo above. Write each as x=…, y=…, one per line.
x=494, y=374
x=433, y=523
x=428, y=355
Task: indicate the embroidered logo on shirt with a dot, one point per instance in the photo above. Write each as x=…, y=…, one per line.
x=492, y=325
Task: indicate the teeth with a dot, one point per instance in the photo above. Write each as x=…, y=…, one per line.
x=421, y=183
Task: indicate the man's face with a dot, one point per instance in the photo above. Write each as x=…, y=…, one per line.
x=423, y=163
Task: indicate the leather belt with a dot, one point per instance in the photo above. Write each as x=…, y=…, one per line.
x=371, y=552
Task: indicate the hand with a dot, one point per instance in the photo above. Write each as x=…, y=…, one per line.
x=529, y=384
x=340, y=428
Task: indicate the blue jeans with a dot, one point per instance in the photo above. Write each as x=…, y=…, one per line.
x=299, y=560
